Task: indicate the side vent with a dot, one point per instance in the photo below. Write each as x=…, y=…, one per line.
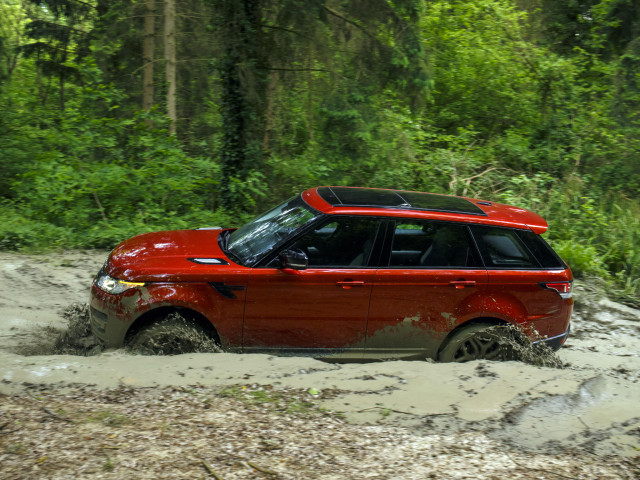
x=227, y=290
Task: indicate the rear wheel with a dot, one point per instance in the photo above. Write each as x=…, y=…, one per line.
x=172, y=335
x=479, y=341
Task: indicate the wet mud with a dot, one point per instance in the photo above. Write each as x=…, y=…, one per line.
x=74, y=339
x=581, y=402
x=173, y=335
x=516, y=346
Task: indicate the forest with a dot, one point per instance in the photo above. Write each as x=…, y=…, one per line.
x=126, y=116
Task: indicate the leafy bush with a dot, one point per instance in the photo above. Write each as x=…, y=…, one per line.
x=102, y=179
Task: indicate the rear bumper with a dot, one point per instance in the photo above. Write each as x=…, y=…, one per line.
x=554, y=343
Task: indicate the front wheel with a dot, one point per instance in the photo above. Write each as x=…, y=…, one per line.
x=479, y=342
x=172, y=335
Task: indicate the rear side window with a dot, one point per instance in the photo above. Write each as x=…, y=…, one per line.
x=503, y=248
x=428, y=244
x=541, y=250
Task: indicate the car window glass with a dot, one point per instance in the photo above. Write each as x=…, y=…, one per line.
x=263, y=233
x=343, y=242
x=540, y=249
x=432, y=245
x=502, y=248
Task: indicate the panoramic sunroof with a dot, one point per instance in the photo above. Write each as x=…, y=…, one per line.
x=373, y=197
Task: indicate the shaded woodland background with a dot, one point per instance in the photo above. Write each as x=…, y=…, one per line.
x=125, y=116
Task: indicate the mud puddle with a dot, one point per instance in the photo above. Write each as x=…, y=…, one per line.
x=176, y=335
x=587, y=403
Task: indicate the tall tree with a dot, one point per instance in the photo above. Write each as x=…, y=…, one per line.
x=11, y=33
x=363, y=47
x=242, y=76
x=148, y=54
x=170, y=61
x=60, y=34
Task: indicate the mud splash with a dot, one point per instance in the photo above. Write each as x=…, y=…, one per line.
x=516, y=346
x=176, y=335
x=173, y=335
x=77, y=339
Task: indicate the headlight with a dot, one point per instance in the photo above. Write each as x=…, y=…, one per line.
x=114, y=286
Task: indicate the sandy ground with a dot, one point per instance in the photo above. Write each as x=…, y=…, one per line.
x=220, y=415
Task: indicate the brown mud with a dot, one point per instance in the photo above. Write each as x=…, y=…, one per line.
x=68, y=410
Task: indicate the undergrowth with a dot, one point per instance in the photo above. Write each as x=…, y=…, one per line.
x=596, y=233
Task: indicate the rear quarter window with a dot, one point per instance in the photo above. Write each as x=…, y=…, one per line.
x=503, y=248
x=541, y=250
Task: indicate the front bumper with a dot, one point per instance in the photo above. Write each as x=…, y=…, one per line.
x=554, y=343
x=111, y=315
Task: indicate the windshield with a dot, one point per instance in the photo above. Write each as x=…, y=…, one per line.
x=262, y=234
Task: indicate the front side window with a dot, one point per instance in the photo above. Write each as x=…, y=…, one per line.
x=261, y=235
x=342, y=242
x=503, y=248
x=428, y=244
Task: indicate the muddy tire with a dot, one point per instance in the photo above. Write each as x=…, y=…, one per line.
x=172, y=335
x=478, y=342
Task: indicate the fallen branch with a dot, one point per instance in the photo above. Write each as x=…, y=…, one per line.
x=56, y=416
x=538, y=469
x=392, y=410
x=7, y=432
x=211, y=470
x=260, y=469
x=582, y=422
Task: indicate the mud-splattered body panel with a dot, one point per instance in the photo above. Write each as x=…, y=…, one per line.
x=367, y=280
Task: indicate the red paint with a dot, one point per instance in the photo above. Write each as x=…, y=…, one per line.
x=314, y=308
x=403, y=311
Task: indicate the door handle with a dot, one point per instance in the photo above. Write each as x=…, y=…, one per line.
x=346, y=284
x=463, y=283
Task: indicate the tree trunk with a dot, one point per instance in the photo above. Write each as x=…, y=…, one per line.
x=269, y=114
x=170, y=57
x=147, y=55
x=243, y=92
x=310, y=95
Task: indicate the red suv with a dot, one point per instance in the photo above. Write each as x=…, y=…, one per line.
x=345, y=273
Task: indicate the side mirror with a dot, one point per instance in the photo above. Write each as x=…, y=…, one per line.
x=294, y=259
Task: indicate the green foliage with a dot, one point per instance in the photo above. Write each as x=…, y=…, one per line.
x=534, y=103
x=584, y=259
x=102, y=179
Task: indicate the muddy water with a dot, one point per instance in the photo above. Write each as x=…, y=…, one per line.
x=590, y=404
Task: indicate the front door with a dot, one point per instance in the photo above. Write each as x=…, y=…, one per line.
x=321, y=310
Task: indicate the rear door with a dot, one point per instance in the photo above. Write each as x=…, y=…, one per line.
x=432, y=281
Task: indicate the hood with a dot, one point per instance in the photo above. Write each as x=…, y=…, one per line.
x=164, y=256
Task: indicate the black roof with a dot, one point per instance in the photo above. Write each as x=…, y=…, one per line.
x=375, y=197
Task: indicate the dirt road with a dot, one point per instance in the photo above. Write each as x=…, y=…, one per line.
x=120, y=415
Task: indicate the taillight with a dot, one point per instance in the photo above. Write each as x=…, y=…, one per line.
x=563, y=288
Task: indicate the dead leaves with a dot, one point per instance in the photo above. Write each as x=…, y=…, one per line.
x=245, y=433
